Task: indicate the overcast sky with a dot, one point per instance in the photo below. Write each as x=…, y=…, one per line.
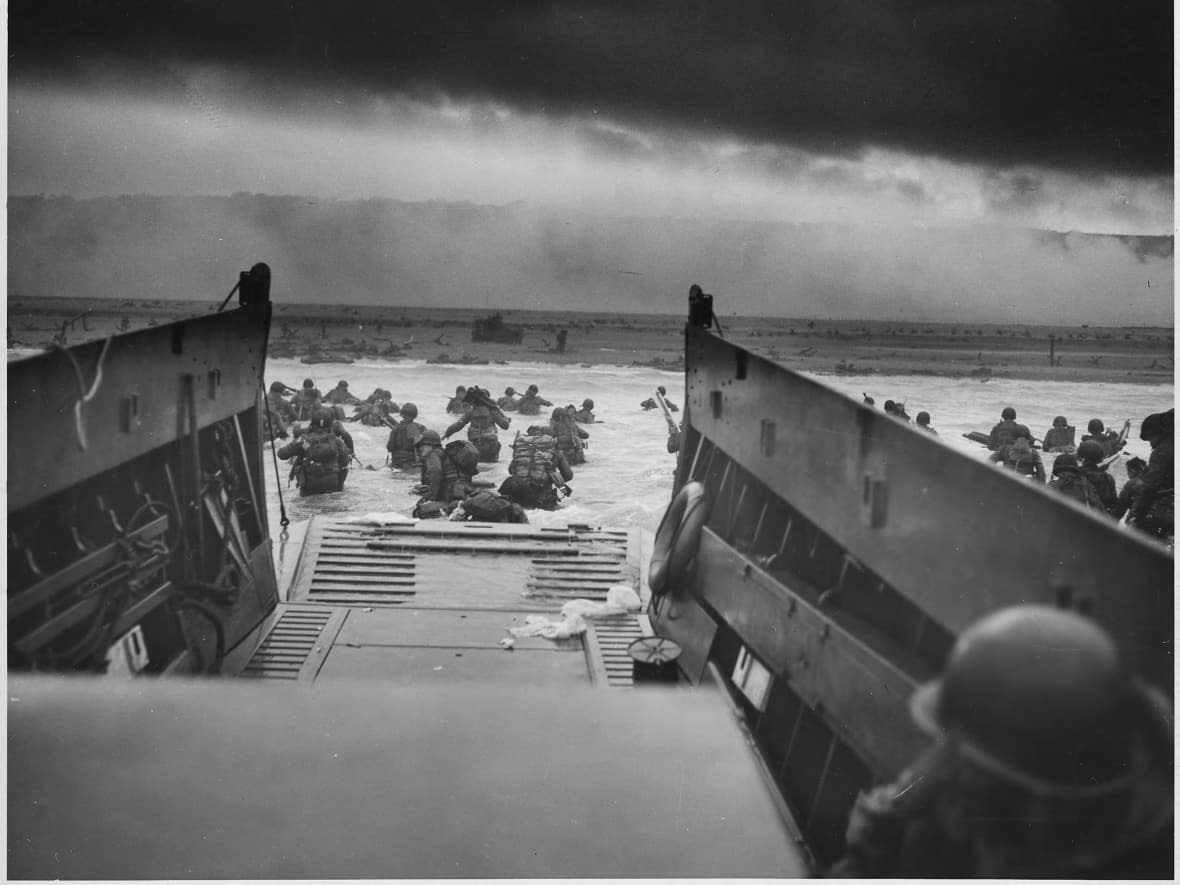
x=1051, y=114
x=1054, y=115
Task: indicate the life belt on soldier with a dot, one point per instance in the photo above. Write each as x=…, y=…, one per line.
x=677, y=538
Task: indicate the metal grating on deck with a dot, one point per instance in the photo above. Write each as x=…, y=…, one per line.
x=606, y=646
x=565, y=578
x=347, y=571
x=439, y=564
x=296, y=644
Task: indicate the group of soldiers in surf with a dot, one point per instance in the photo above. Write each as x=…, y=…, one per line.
x=1079, y=471
x=541, y=466
x=539, y=469
x=1080, y=468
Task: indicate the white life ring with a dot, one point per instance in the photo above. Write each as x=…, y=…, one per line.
x=677, y=538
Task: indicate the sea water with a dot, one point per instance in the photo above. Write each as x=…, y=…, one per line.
x=626, y=481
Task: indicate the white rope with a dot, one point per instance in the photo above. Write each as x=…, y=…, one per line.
x=85, y=396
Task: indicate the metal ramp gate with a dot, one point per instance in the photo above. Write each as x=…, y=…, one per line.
x=365, y=595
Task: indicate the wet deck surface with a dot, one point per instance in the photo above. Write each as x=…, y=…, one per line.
x=432, y=601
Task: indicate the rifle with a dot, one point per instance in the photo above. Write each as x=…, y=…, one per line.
x=476, y=397
x=673, y=427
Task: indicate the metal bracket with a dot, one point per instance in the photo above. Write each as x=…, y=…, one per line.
x=129, y=418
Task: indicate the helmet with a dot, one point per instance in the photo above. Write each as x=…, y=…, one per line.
x=323, y=418
x=1135, y=466
x=923, y=418
x=1095, y=425
x=534, y=389
x=1061, y=421
x=558, y=413
x=409, y=410
x=1037, y=696
x=508, y=391
x=1090, y=450
x=1155, y=424
x=308, y=384
x=278, y=387
x=460, y=389
x=1065, y=464
x=890, y=405
x=587, y=403
x=342, y=384
x=661, y=390
x=428, y=438
x=1009, y=413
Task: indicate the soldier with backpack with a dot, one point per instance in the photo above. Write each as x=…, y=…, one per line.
x=306, y=401
x=1060, y=437
x=585, y=415
x=320, y=457
x=376, y=409
x=403, y=437
x=458, y=404
x=1019, y=455
x=484, y=505
x=446, y=473
x=1089, y=455
x=1007, y=432
x=279, y=414
x=531, y=402
x=538, y=472
x=568, y=435
x=1068, y=480
x=1109, y=439
x=481, y=422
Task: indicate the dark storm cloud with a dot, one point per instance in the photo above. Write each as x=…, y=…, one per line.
x=1064, y=84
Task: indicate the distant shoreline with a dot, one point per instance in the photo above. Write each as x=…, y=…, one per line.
x=1132, y=355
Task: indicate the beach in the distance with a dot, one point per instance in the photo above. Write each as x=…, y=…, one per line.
x=323, y=334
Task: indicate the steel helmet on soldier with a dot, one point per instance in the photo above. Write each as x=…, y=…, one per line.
x=1156, y=424
x=587, y=403
x=508, y=391
x=429, y=438
x=1065, y=464
x=558, y=413
x=1036, y=696
x=923, y=418
x=308, y=384
x=1060, y=421
x=1090, y=450
x=1009, y=413
x=534, y=389
x=409, y=411
x=1095, y=425
x=278, y=387
x=323, y=418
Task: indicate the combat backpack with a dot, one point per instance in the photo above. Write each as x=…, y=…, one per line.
x=464, y=455
x=488, y=506
x=401, y=437
x=533, y=457
x=320, y=452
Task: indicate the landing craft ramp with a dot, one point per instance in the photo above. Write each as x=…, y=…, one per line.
x=424, y=748
x=433, y=600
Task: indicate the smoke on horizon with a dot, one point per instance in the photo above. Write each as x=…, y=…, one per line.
x=504, y=257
